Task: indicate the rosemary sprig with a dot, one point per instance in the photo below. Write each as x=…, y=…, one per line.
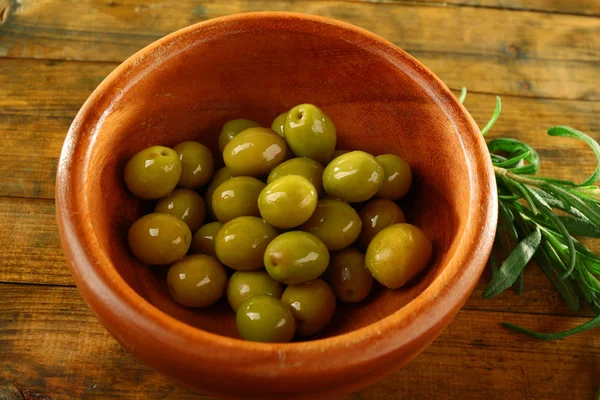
x=529, y=226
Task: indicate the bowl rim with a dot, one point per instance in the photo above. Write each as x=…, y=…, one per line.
x=415, y=324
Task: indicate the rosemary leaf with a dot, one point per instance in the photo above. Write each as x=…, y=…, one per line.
x=566, y=236
x=556, y=181
x=516, y=148
x=578, y=226
x=527, y=209
x=569, y=198
x=591, y=263
x=525, y=194
x=495, y=116
x=563, y=286
x=566, y=131
x=509, y=163
x=463, y=95
x=594, y=323
x=511, y=268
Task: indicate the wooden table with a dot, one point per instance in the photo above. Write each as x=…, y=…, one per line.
x=541, y=56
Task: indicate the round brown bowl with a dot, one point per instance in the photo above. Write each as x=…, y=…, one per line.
x=184, y=87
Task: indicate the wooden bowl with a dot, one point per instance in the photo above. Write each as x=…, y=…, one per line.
x=184, y=87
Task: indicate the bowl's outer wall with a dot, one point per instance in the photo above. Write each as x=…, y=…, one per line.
x=185, y=87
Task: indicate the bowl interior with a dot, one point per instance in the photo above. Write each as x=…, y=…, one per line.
x=187, y=87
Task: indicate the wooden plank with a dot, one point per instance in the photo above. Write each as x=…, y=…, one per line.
x=47, y=88
x=32, y=254
x=70, y=355
x=52, y=344
x=556, y=56
x=31, y=144
x=528, y=120
x=38, y=100
x=30, y=244
x=540, y=79
x=576, y=7
x=539, y=297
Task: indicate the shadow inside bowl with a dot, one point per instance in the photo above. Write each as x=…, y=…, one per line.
x=376, y=106
x=424, y=207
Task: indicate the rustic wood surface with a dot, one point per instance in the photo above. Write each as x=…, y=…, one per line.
x=542, y=56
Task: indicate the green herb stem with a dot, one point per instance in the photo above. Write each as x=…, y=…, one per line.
x=593, y=323
x=499, y=171
x=529, y=228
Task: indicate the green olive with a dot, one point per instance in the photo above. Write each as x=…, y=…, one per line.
x=241, y=243
x=219, y=177
x=376, y=215
x=153, y=172
x=245, y=284
x=197, y=281
x=237, y=197
x=278, y=124
x=348, y=275
x=232, y=128
x=197, y=164
x=264, y=318
x=296, y=257
x=397, y=254
x=353, y=177
x=312, y=304
x=287, y=202
x=310, y=133
x=397, y=177
x=254, y=152
x=159, y=239
x=336, y=223
x=203, y=241
x=306, y=167
x=184, y=204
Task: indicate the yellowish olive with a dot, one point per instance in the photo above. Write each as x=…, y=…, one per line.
x=397, y=254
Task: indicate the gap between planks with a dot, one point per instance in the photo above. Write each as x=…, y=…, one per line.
x=415, y=54
x=535, y=65
x=464, y=3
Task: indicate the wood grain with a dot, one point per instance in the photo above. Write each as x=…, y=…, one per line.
x=41, y=88
x=38, y=100
x=30, y=172
x=30, y=244
x=545, y=65
x=577, y=7
x=52, y=344
x=555, y=56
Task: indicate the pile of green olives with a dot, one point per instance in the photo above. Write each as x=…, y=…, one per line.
x=288, y=227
